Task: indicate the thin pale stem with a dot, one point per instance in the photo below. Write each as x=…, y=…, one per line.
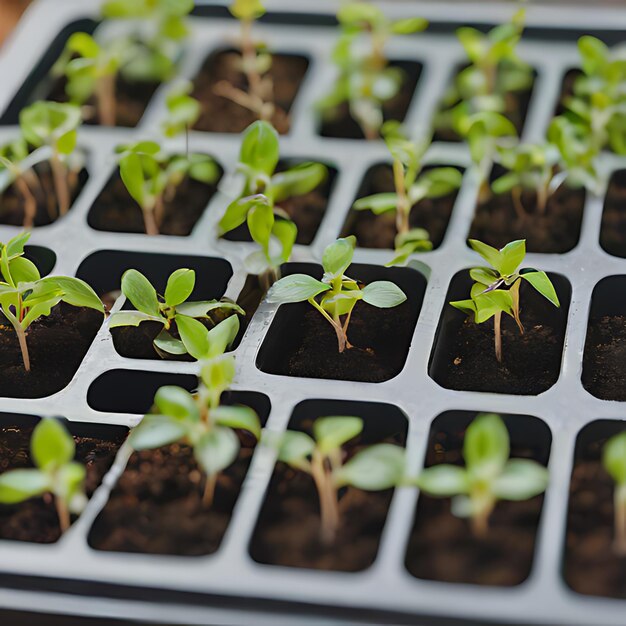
x=404, y=207
x=327, y=498
x=150, y=223
x=497, y=331
x=516, y=196
x=59, y=175
x=209, y=491
x=63, y=513
x=620, y=520
x=30, y=202
x=159, y=209
x=21, y=336
x=342, y=340
x=105, y=96
x=542, y=199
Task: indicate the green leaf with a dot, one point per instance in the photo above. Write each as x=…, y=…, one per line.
x=242, y=417
x=155, y=431
x=298, y=180
x=492, y=302
x=132, y=318
x=486, y=446
x=51, y=446
x=132, y=174
x=541, y=282
x=490, y=254
x=202, y=308
x=180, y=284
x=409, y=25
x=23, y=271
x=236, y=213
x=143, y=296
x=75, y=292
x=484, y=275
x=440, y=181
x=21, y=484
x=247, y=9
x=295, y=288
x=378, y=467
x=261, y=221
x=177, y=403
x=338, y=256
x=594, y=54
x=295, y=447
x=521, y=479
x=443, y=480
x=332, y=432
x=286, y=232
x=614, y=457
x=168, y=344
x=512, y=256
x=377, y=203
x=70, y=486
x=194, y=335
x=217, y=374
x=222, y=335
x=383, y=294
x=216, y=450
x=259, y=148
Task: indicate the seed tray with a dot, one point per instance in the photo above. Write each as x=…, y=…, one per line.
x=228, y=587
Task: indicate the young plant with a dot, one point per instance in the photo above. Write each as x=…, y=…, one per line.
x=25, y=297
x=374, y=468
x=54, y=125
x=151, y=177
x=183, y=112
x=614, y=461
x=412, y=185
x=496, y=289
x=52, y=449
x=366, y=81
x=489, y=474
x=259, y=191
x=174, y=311
x=338, y=294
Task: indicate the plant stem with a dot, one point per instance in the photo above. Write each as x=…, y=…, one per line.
x=516, y=196
x=62, y=513
x=21, y=335
x=327, y=497
x=249, y=58
x=620, y=520
x=542, y=199
x=150, y=223
x=159, y=210
x=59, y=175
x=342, y=340
x=403, y=209
x=497, y=322
x=30, y=203
x=105, y=96
x=209, y=490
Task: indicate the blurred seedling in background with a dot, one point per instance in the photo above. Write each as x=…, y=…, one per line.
x=614, y=461
x=183, y=111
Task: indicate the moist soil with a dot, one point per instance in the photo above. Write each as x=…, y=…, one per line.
x=379, y=231
x=342, y=125
x=442, y=547
x=115, y=211
x=605, y=355
x=36, y=519
x=613, y=229
x=156, y=506
x=556, y=230
x=12, y=201
x=304, y=344
x=56, y=343
x=221, y=115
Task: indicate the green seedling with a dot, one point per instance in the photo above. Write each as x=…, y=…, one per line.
x=183, y=112
x=365, y=82
x=259, y=191
x=174, y=312
x=338, y=294
x=151, y=177
x=374, y=468
x=489, y=474
x=25, y=297
x=53, y=125
x=412, y=185
x=56, y=473
x=496, y=289
x=614, y=461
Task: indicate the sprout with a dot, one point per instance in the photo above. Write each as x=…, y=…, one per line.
x=52, y=449
x=183, y=112
x=374, y=468
x=260, y=188
x=25, y=297
x=412, y=185
x=366, y=82
x=488, y=476
x=496, y=289
x=339, y=293
x=152, y=177
x=173, y=311
x=614, y=461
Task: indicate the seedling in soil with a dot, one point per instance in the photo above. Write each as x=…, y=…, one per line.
x=614, y=461
x=374, y=468
x=151, y=177
x=489, y=474
x=496, y=289
x=55, y=474
x=259, y=190
x=25, y=297
x=173, y=311
x=366, y=81
x=412, y=185
x=54, y=125
x=183, y=111
x=339, y=293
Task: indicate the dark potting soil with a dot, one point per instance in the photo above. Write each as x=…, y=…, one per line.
x=605, y=354
x=56, y=343
x=442, y=547
x=156, y=506
x=379, y=231
x=12, y=201
x=342, y=125
x=222, y=115
x=36, y=519
x=613, y=229
x=115, y=211
x=557, y=230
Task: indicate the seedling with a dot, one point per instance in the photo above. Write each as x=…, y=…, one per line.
x=339, y=293
x=173, y=311
x=412, y=185
x=25, y=297
x=374, y=468
x=614, y=461
x=183, y=112
x=366, y=82
x=496, y=289
x=151, y=177
x=489, y=474
x=259, y=190
x=55, y=473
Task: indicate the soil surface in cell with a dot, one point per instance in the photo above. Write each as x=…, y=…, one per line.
x=443, y=547
x=556, y=230
x=308, y=347
x=115, y=211
x=341, y=124
x=379, y=231
x=36, y=519
x=222, y=115
x=157, y=504
x=56, y=344
x=12, y=200
x=613, y=230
